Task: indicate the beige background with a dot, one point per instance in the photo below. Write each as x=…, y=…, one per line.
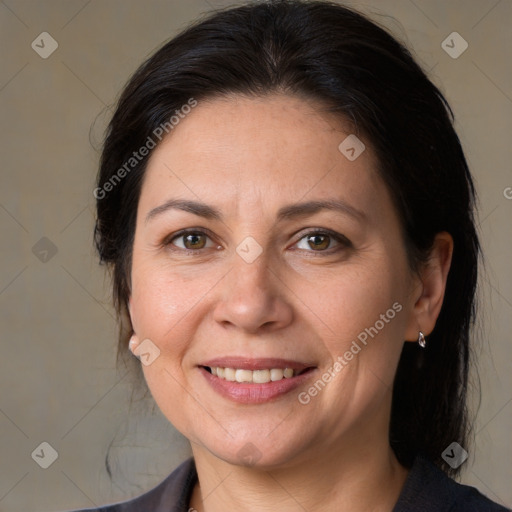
x=57, y=377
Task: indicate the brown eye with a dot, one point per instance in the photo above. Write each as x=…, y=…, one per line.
x=323, y=241
x=318, y=242
x=191, y=240
x=194, y=241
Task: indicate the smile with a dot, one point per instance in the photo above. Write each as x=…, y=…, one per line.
x=251, y=381
x=254, y=376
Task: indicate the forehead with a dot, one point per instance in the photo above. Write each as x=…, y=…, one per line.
x=260, y=151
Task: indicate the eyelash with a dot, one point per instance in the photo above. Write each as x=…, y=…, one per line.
x=341, y=239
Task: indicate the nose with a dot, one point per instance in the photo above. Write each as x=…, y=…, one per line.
x=253, y=298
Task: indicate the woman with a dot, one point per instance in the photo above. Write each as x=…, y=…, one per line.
x=288, y=215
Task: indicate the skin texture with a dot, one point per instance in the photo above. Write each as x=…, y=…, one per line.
x=248, y=157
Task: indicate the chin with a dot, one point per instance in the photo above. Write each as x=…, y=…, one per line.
x=255, y=451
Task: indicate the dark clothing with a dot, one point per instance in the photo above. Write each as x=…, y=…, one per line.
x=426, y=489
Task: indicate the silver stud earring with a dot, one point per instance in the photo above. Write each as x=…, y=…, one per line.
x=421, y=340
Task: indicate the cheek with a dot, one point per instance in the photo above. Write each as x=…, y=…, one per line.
x=157, y=301
x=165, y=302
x=160, y=296
x=353, y=299
x=162, y=309
x=362, y=317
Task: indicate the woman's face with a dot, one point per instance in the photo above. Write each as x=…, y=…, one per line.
x=268, y=279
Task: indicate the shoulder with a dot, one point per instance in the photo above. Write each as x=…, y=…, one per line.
x=428, y=489
x=170, y=495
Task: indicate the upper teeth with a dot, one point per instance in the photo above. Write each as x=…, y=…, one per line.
x=256, y=376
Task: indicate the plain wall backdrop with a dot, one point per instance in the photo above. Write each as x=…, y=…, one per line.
x=57, y=371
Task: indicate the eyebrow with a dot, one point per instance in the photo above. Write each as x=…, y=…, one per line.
x=285, y=213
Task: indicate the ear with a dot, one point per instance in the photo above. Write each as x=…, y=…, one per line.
x=431, y=287
x=130, y=319
x=129, y=309
x=133, y=344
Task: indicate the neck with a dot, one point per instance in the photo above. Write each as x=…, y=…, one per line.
x=361, y=476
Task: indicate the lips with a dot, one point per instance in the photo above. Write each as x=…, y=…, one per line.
x=254, y=380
